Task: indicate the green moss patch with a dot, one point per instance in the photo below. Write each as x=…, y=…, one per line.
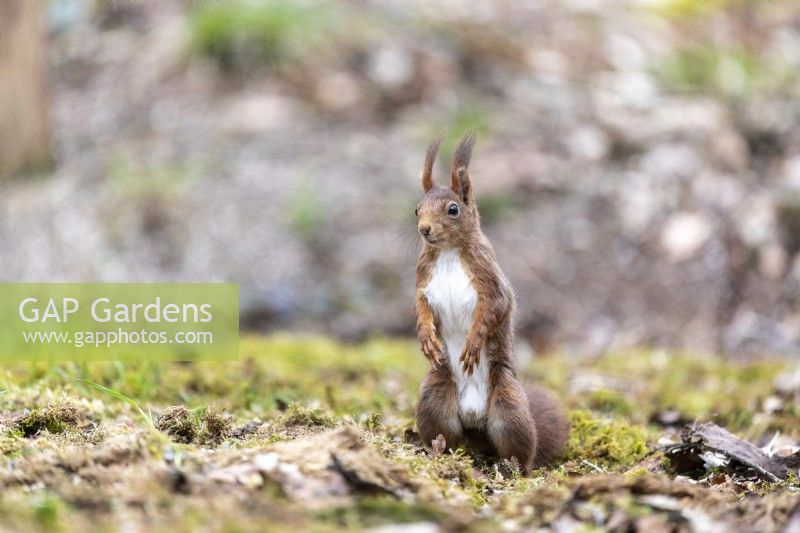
x=179, y=423
x=380, y=510
x=56, y=417
x=607, y=443
x=297, y=415
x=215, y=426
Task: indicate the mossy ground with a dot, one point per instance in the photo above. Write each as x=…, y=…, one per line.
x=75, y=457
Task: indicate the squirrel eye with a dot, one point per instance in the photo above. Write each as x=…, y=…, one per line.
x=452, y=210
x=416, y=212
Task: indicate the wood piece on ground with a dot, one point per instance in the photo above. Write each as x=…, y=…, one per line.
x=718, y=439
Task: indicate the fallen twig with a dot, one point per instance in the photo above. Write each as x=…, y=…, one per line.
x=717, y=439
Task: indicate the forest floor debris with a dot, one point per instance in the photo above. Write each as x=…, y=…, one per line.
x=308, y=433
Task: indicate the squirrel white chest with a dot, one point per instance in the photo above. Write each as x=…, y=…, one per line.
x=453, y=298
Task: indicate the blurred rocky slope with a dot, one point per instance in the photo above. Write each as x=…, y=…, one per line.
x=638, y=164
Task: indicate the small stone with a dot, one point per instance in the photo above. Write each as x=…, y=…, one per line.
x=258, y=113
x=391, y=67
x=413, y=527
x=509, y=525
x=773, y=404
x=548, y=62
x=661, y=502
x=266, y=462
x=624, y=52
x=788, y=383
x=589, y=143
x=684, y=234
x=772, y=261
x=730, y=150
x=791, y=173
x=338, y=91
x=756, y=221
x=669, y=417
x=630, y=89
x=244, y=474
x=652, y=523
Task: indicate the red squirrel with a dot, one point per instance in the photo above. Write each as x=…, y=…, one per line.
x=465, y=309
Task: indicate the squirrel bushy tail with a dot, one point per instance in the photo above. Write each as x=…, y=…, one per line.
x=552, y=427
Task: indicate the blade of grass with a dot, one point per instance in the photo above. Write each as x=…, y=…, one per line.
x=148, y=417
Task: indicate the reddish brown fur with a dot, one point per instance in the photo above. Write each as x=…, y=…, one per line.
x=528, y=425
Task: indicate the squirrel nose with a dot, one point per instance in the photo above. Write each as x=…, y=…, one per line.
x=425, y=230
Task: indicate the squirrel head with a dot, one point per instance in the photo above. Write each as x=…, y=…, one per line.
x=447, y=216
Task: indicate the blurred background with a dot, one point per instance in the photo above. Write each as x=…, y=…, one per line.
x=637, y=169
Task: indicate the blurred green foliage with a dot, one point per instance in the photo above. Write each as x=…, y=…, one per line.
x=496, y=206
x=378, y=510
x=473, y=119
x=46, y=510
x=276, y=31
x=608, y=401
x=138, y=181
x=305, y=212
x=704, y=68
x=680, y=9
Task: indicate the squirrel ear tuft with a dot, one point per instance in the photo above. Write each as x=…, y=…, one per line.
x=464, y=190
x=459, y=176
x=430, y=159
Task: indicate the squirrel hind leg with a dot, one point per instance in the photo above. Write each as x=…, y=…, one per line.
x=552, y=427
x=437, y=409
x=510, y=427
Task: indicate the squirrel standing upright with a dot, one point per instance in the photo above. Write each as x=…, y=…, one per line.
x=464, y=308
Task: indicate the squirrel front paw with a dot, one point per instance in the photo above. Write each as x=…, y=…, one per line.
x=431, y=346
x=471, y=355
